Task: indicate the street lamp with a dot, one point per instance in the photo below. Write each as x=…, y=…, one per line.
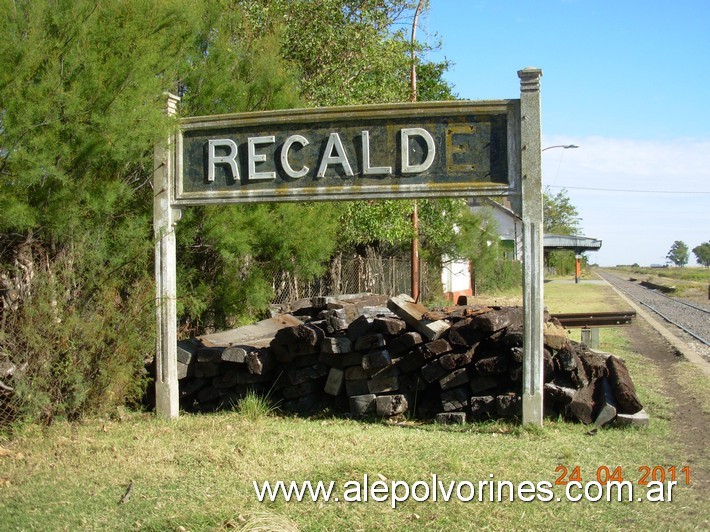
x=577, y=265
x=565, y=146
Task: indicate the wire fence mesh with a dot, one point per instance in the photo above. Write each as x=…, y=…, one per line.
x=8, y=399
x=379, y=275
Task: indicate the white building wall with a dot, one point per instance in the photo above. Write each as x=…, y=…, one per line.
x=455, y=274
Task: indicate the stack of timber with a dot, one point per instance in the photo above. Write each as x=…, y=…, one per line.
x=369, y=355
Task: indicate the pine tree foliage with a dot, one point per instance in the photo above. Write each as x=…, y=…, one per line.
x=81, y=106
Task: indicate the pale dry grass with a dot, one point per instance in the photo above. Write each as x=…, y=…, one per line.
x=196, y=473
x=563, y=297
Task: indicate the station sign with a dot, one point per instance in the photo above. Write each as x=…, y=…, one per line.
x=438, y=149
x=393, y=151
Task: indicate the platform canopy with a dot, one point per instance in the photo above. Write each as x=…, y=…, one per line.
x=578, y=244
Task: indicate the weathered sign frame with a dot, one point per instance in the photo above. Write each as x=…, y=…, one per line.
x=250, y=157
x=385, y=124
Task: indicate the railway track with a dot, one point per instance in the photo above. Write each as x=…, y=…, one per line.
x=691, y=321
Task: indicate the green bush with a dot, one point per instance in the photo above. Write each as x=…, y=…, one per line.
x=79, y=355
x=505, y=275
x=561, y=262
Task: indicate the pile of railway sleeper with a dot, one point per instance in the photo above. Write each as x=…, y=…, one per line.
x=461, y=363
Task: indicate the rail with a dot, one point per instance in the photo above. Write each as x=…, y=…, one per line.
x=669, y=320
x=587, y=320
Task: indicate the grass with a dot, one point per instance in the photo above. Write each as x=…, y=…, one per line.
x=562, y=297
x=690, y=282
x=694, y=383
x=683, y=274
x=583, y=297
x=254, y=406
x=196, y=473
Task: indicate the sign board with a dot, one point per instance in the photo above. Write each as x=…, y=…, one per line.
x=436, y=149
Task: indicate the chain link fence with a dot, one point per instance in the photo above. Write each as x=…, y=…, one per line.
x=378, y=275
x=8, y=399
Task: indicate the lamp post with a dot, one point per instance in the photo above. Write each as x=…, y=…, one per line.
x=577, y=256
x=565, y=146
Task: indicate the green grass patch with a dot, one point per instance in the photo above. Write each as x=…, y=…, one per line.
x=254, y=406
x=694, y=382
x=584, y=297
x=690, y=282
x=197, y=473
x=681, y=274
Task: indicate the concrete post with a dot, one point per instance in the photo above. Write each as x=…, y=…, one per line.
x=164, y=220
x=532, y=245
x=590, y=337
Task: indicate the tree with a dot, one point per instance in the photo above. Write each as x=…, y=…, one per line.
x=345, y=50
x=360, y=60
x=81, y=106
x=477, y=241
x=678, y=253
x=431, y=85
x=702, y=254
x=228, y=253
x=560, y=217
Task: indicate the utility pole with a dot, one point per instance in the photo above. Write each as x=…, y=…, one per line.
x=415, y=215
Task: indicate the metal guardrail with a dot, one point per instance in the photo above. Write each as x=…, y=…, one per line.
x=586, y=320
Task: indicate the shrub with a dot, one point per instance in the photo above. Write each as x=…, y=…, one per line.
x=505, y=275
x=82, y=354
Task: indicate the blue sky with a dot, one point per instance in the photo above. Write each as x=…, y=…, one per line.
x=626, y=80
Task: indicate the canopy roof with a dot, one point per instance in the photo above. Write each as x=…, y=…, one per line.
x=573, y=242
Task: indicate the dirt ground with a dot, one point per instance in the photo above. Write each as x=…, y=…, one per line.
x=688, y=419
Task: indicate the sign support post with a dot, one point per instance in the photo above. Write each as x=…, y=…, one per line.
x=423, y=150
x=164, y=219
x=533, y=308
